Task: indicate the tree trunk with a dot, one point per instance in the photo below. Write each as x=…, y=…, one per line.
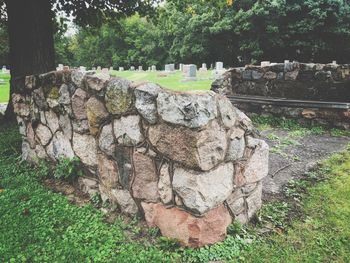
x=31, y=43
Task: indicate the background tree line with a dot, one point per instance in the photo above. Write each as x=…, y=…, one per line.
x=195, y=31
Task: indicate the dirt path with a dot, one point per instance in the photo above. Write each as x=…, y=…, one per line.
x=293, y=156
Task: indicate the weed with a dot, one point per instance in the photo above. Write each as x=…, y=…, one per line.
x=95, y=199
x=67, y=168
x=274, y=213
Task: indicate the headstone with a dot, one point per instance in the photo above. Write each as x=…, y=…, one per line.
x=167, y=68
x=204, y=66
x=4, y=70
x=172, y=67
x=60, y=67
x=265, y=63
x=140, y=68
x=93, y=68
x=334, y=62
x=219, y=66
x=132, y=68
x=149, y=68
x=99, y=68
x=181, y=67
x=185, y=69
x=154, y=68
x=286, y=61
x=191, y=74
x=111, y=69
x=121, y=68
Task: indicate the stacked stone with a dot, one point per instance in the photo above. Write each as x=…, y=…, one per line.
x=291, y=80
x=187, y=161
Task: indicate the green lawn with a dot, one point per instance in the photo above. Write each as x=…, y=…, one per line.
x=172, y=81
x=5, y=89
x=37, y=225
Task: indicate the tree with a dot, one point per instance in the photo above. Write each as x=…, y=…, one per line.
x=30, y=25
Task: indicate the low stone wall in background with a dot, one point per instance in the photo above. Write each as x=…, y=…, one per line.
x=291, y=80
x=188, y=162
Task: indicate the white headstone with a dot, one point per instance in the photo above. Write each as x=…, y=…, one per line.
x=204, y=65
x=4, y=69
x=154, y=68
x=219, y=66
x=82, y=68
x=93, y=68
x=334, y=62
x=286, y=61
x=265, y=63
x=140, y=68
x=149, y=68
x=132, y=68
x=99, y=68
x=191, y=73
x=181, y=66
x=121, y=68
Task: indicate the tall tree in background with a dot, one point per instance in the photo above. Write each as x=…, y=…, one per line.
x=30, y=26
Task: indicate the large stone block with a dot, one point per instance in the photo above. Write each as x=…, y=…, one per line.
x=202, y=149
x=125, y=201
x=96, y=114
x=106, y=140
x=21, y=105
x=97, y=81
x=165, y=185
x=85, y=148
x=127, y=130
x=202, y=191
x=258, y=164
x=189, y=230
x=145, y=184
x=119, y=96
x=59, y=146
x=79, y=100
x=44, y=134
x=52, y=120
x=108, y=172
x=190, y=110
x=146, y=100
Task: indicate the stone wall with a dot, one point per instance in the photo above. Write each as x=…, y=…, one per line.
x=292, y=80
x=188, y=162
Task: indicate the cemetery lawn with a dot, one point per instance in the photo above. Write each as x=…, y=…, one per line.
x=172, y=81
x=38, y=225
x=5, y=88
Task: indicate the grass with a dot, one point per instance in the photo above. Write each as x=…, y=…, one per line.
x=324, y=235
x=37, y=225
x=172, y=81
x=5, y=89
x=295, y=129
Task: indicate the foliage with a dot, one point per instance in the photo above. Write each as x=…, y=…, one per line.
x=67, y=168
x=208, y=31
x=324, y=236
x=40, y=226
